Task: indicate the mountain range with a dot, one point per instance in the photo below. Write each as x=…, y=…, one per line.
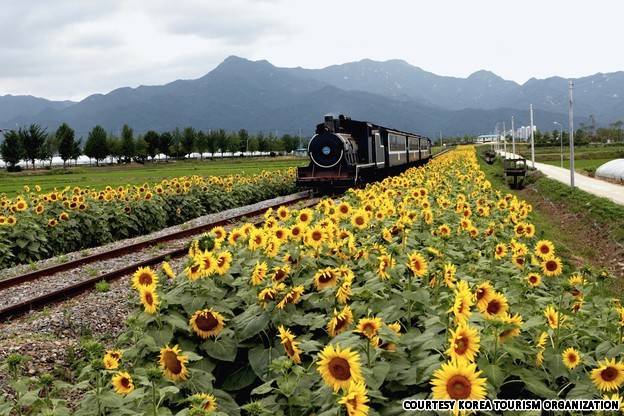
x=259, y=96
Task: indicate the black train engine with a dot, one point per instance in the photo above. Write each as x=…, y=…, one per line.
x=344, y=153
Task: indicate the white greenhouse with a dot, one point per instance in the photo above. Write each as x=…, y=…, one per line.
x=613, y=170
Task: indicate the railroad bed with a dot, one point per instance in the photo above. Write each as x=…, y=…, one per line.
x=56, y=281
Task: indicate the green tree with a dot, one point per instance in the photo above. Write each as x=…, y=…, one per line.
x=253, y=144
x=114, y=148
x=201, y=143
x=263, y=142
x=164, y=143
x=49, y=149
x=222, y=141
x=243, y=137
x=76, y=151
x=188, y=140
x=176, y=143
x=65, y=140
x=211, y=142
x=96, y=146
x=140, y=150
x=233, y=142
x=153, y=143
x=33, y=139
x=11, y=150
x=290, y=143
x=127, y=143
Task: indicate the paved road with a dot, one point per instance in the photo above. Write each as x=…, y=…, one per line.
x=597, y=187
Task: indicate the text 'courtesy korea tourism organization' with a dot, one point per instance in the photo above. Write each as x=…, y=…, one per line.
x=501, y=405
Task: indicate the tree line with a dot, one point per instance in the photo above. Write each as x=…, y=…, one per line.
x=35, y=143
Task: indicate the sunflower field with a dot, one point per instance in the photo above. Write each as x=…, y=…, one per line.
x=426, y=285
x=36, y=225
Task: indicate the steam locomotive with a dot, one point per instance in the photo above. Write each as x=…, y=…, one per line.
x=345, y=153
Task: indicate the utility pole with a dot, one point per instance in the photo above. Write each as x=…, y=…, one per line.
x=560, y=140
x=571, y=130
x=513, y=137
x=504, y=140
x=532, y=137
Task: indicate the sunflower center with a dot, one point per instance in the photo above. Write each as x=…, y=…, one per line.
x=317, y=236
x=571, y=358
x=368, y=329
x=461, y=345
x=458, y=387
x=480, y=293
x=551, y=265
x=544, y=249
x=326, y=278
x=340, y=322
x=340, y=369
x=172, y=363
x=533, y=279
x=303, y=217
x=279, y=275
x=125, y=383
x=221, y=261
x=206, y=321
x=149, y=299
x=145, y=279
x=609, y=374
x=289, y=348
x=493, y=307
x=359, y=220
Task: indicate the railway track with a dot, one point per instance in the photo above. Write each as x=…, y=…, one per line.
x=72, y=290
x=66, y=292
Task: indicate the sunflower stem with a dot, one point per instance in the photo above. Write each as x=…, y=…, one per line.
x=558, y=322
x=368, y=352
x=154, y=402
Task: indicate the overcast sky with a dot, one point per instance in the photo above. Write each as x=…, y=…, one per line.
x=65, y=49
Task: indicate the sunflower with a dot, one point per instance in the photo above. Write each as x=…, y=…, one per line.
x=324, y=278
x=109, y=362
x=223, y=262
x=314, y=236
x=386, y=262
x=219, y=233
x=552, y=317
x=122, y=383
x=417, y=264
x=52, y=222
x=166, y=268
x=194, y=270
x=208, y=264
x=259, y=273
x=207, y=323
x=461, y=306
x=359, y=219
x=571, y=358
x=449, y=274
x=343, y=210
x=297, y=231
x=149, y=299
x=609, y=375
x=287, y=339
x=500, y=251
x=292, y=297
x=355, y=399
x=544, y=249
x=283, y=213
x=235, y=236
x=344, y=290
x=551, y=266
x=339, y=367
x=534, y=279
x=173, y=363
x=496, y=306
x=444, y=231
x=369, y=327
x=458, y=381
x=205, y=401
x=340, y=321
x=464, y=343
x=483, y=294
x=257, y=239
x=576, y=280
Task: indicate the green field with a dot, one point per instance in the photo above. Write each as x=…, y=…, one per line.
x=116, y=175
x=589, y=165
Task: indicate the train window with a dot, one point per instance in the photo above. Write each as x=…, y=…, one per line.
x=396, y=143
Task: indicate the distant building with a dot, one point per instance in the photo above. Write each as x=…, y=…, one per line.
x=488, y=138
